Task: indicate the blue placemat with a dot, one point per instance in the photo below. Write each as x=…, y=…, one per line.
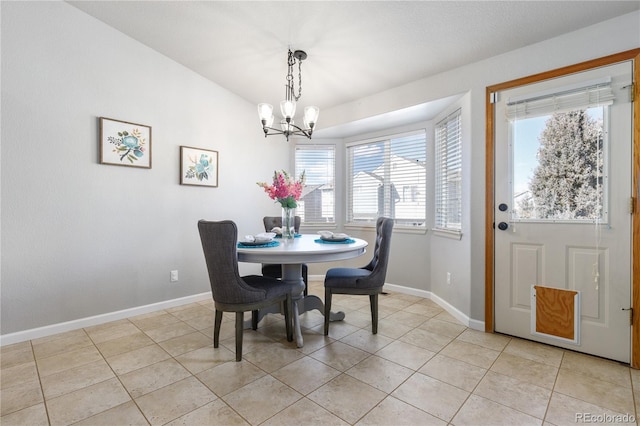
x=295, y=236
x=269, y=244
x=347, y=241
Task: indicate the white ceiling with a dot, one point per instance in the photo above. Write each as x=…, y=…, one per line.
x=355, y=48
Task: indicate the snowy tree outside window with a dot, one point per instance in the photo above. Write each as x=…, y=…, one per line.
x=559, y=166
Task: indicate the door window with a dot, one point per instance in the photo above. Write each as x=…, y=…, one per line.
x=558, y=142
x=559, y=168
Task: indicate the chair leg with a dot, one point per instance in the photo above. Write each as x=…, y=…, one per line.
x=254, y=320
x=373, y=300
x=239, y=327
x=288, y=309
x=216, y=329
x=327, y=310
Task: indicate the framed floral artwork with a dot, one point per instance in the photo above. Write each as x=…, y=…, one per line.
x=198, y=167
x=125, y=144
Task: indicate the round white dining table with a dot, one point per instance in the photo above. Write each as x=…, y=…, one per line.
x=291, y=254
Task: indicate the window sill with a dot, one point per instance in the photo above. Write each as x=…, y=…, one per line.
x=319, y=226
x=396, y=228
x=448, y=233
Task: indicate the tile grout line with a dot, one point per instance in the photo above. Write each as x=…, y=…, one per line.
x=117, y=376
x=190, y=373
x=474, y=388
x=414, y=371
x=553, y=388
x=44, y=400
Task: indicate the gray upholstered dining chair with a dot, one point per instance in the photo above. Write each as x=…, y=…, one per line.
x=275, y=270
x=367, y=280
x=233, y=293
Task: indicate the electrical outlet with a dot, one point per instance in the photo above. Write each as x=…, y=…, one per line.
x=174, y=276
x=448, y=278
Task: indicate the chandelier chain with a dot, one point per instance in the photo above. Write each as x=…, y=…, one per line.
x=299, y=80
x=290, y=84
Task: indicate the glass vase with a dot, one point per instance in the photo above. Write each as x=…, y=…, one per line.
x=288, y=223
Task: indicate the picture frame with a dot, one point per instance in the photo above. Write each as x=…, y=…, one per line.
x=198, y=167
x=123, y=143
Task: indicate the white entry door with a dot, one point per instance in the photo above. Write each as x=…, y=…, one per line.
x=563, y=175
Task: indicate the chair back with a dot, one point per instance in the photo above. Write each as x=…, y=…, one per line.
x=219, y=243
x=271, y=222
x=378, y=264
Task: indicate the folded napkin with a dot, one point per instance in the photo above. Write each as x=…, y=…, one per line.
x=332, y=235
x=261, y=237
x=264, y=235
x=277, y=230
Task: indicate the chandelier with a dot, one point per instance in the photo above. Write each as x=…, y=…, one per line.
x=288, y=106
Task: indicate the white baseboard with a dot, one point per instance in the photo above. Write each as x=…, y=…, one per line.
x=476, y=325
x=452, y=310
x=35, y=333
x=408, y=290
x=464, y=319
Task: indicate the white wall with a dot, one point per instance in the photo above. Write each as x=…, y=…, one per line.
x=80, y=238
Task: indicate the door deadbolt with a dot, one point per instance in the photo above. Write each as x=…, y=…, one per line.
x=503, y=207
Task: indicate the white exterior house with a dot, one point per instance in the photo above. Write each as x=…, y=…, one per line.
x=402, y=189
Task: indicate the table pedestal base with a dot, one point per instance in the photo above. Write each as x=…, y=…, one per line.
x=301, y=304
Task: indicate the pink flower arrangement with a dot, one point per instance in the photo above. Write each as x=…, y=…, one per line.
x=285, y=189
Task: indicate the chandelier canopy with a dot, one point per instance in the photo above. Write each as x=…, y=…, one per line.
x=288, y=106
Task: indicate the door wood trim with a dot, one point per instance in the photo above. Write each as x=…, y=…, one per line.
x=635, y=220
x=489, y=185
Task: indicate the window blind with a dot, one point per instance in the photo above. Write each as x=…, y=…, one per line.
x=579, y=96
x=317, y=204
x=448, y=171
x=387, y=177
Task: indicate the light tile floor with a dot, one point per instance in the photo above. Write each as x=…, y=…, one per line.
x=422, y=368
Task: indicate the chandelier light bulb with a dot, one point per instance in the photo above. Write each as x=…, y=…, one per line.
x=311, y=116
x=288, y=109
x=265, y=111
x=269, y=121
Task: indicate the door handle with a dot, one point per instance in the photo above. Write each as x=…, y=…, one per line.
x=503, y=226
